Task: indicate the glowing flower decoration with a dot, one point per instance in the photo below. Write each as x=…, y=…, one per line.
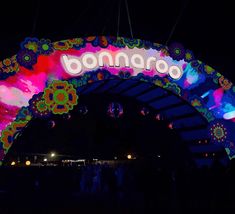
x=173, y=87
x=24, y=114
x=225, y=83
x=119, y=42
x=30, y=44
x=26, y=58
x=62, y=45
x=8, y=134
x=78, y=43
x=177, y=51
x=157, y=46
x=164, y=52
x=131, y=43
x=9, y=65
x=60, y=97
x=218, y=132
x=195, y=102
x=189, y=56
x=158, y=83
x=7, y=138
x=7, y=62
x=38, y=106
x=208, y=69
x=45, y=47
x=101, y=41
x=115, y=110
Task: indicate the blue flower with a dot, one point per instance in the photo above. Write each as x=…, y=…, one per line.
x=45, y=47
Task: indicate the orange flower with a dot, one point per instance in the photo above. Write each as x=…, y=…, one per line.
x=60, y=97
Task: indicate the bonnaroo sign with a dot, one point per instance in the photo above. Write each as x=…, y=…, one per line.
x=43, y=78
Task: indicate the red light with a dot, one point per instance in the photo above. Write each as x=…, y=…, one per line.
x=158, y=117
x=170, y=125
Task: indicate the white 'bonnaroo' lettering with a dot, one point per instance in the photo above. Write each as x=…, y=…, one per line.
x=77, y=65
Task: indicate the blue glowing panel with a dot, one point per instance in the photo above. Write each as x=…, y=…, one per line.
x=92, y=87
x=177, y=111
x=123, y=86
x=165, y=102
x=157, y=92
x=189, y=122
x=137, y=89
x=108, y=85
x=194, y=134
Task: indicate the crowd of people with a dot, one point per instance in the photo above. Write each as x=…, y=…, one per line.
x=134, y=187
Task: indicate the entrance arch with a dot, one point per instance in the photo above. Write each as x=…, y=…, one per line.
x=45, y=78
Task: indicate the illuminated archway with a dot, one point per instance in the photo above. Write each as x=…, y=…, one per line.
x=44, y=77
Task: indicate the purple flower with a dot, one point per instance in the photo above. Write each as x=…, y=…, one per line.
x=177, y=51
x=26, y=58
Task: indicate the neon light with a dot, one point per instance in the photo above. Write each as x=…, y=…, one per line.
x=75, y=66
x=229, y=115
x=72, y=65
x=175, y=72
x=149, y=60
x=89, y=61
x=205, y=94
x=101, y=58
x=161, y=66
x=137, y=61
x=124, y=56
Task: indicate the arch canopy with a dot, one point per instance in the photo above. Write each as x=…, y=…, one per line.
x=44, y=78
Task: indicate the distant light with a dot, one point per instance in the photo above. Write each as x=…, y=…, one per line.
x=13, y=163
x=206, y=155
x=158, y=117
x=115, y=158
x=45, y=159
x=129, y=157
x=144, y=111
x=27, y=163
x=158, y=156
x=170, y=125
x=52, y=154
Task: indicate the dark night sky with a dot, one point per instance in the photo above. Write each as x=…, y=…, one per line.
x=206, y=27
